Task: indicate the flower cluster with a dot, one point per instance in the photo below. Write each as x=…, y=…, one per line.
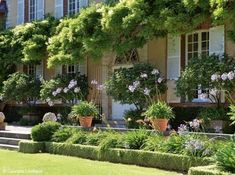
x=224, y=76
x=49, y=117
x=70, y=88
x=139, y=84
x=197, y=147
x=193, y=125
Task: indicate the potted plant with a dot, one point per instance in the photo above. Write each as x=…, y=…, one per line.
x=84, y=112
x=2, y=123
x=159, y=113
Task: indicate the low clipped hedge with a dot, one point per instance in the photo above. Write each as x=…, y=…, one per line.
x=137, y=157
x=31, y=147
x=207, y=170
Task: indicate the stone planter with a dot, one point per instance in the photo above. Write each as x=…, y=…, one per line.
x=3, y=126
x=160, y=124
x=86, y=121
x=218, y=125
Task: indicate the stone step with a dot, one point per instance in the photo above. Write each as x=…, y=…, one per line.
x=10, y=141
x=15, y=135
x=9, y=147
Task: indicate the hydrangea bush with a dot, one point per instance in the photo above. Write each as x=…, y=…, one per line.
x=69, y=89
x=139, y=85
x=49, y=117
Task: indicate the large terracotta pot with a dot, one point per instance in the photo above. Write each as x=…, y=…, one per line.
x=160, y=124
x=86, y=121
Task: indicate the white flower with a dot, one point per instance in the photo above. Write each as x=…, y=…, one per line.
x=136, y=84
x=182, y=128
x=215, y=77
x=72, y=84
x=159, y=80
x=49, y=117
x=155, y=72
x=77, y=90
x=94, y=82
x=50, y=103
x=48, y=99
x=131, y=88
x=195, y=124
x=100, y=87
x=66, y=90
x=143, y=75
x=231, y=75
x=58, y=90
x=224, y=76
x=54, y=93
x=146, y=91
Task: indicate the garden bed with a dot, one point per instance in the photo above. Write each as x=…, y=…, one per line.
x=136, y=157
x=207, y=170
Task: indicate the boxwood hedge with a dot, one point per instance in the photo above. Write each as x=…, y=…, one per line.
x=207, y=170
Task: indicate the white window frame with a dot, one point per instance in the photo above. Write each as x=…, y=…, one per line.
x=199, y=32
x=33, y=13
x=77, y=7
x=76, y=69
x=31, y=69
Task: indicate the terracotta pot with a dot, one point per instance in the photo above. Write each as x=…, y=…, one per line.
x=86, y=121
x=3, y=126
x=160, y=124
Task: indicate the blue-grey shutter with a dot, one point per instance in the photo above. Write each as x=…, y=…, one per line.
x=40, y=9
x=59, y=8
x=83, y=3
x=20, y=12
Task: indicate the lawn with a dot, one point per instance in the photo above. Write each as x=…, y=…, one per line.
x=12, y=162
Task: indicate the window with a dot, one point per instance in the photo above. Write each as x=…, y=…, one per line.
x=31, y=70
x=73, y=7
x=32, y=10
x=72, y=69
x=197, y=44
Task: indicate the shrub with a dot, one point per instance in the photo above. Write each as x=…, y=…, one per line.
x=77, y=138
x=63, y=134
x=31, y=147
x=136, y=139
x=94, y=139
x=232, y=113
x=132, y=116
x=21, y=87
x=207, y=170
x=66, y=88
x=159, y=110
x=153, y=143
x=136, y=85
x=44, y=131
x=112, y=140
x=225, y=157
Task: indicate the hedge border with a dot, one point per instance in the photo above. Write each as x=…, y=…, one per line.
x=134, y=157
x=31, y=147
x=207, y=170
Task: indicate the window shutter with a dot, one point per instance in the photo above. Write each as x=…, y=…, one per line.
x=20, y=12
x=82, y=68
x=39, y=70
x=83, y=3
x=59, y=8
x=58, y=70
x=173, y=67
x=40, y=9
x=8, y=23
x=216, y=43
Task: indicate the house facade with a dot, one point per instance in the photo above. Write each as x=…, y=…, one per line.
x=169, y=54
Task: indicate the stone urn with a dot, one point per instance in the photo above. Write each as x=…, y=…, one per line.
x=2, y=123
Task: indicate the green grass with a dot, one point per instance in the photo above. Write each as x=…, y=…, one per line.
x=12, y=162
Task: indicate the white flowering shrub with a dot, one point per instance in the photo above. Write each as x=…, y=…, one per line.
x=214, y=74
x=49, y=117
x=138, y=85
x=2, y=117
x=67, y=88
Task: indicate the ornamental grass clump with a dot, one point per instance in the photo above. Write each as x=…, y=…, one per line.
x=136, y=139
x=225, y=157
x=63, y=134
